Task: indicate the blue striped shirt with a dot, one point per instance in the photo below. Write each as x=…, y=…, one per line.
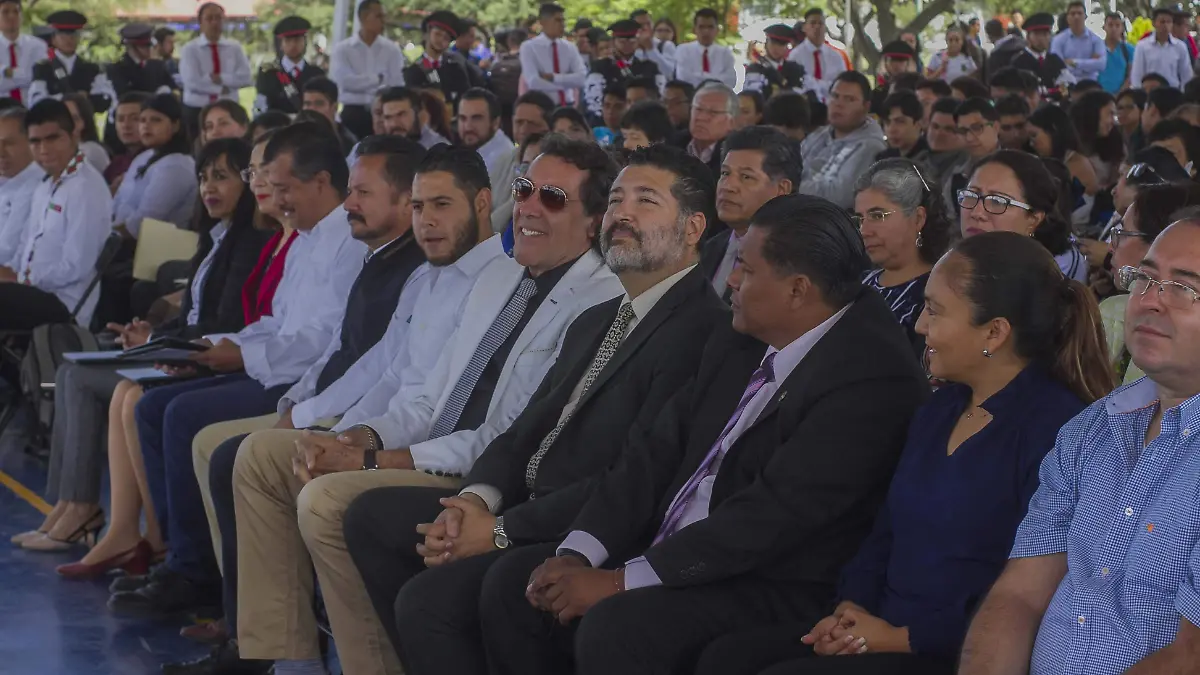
x=1128, y=518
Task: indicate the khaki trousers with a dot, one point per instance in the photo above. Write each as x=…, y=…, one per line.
x=284, y=530
x=204, y=445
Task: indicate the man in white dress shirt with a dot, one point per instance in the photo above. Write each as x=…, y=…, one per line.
x=363, y=64
x=479, y=130
x=69, y=221
x=21, y=176
x=822, y=63
x=19, y=52
x=512, y=329
x=211, y=67
x=1163, y=54
x=549, y=62
x=703, y=59
x=650, y=47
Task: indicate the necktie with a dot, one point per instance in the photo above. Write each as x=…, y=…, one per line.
x=296, y=73
x=216, y=54
x=817, y=63
x=764, y=374
x=495, y=336
x=1041, y=60
x=12, y=63
x=608, y=347
x=562, y=97
x=704, y=62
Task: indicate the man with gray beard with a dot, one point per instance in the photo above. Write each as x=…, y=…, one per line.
x=620, y=362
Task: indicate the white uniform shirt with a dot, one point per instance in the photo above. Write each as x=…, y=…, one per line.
x=69, y=221
x=321, y=266
x=16, y=195
x=196, y=66
x=1171, y=60
x=429, y=310
x=166, y=191
x=832, y=65
x=28, y=50
x=689, y=64
x=537, y=57
x=360, y=69
x=663, y=54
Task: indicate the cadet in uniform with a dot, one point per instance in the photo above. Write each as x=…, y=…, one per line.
x=65, y=72
x=1051, y=70
x=616, y=72
x=774, y=72
x=135, y=71
x=897, y=56
x=434, y=68
x=281, y=83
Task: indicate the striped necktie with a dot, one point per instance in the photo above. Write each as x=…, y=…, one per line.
x=608, y=348
x=495, y=336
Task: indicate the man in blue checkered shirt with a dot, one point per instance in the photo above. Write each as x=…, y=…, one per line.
x=1104, y=577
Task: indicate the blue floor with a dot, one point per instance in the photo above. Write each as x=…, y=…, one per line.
x=50, y=626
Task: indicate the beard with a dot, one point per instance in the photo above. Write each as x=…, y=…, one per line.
x=465, y=240
x=645, y=252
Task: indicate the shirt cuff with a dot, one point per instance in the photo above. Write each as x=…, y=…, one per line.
x=639, y=573
x=302, y=415
x=285, y=404
x=490, y=495
x=589, y=546
x=216, y=338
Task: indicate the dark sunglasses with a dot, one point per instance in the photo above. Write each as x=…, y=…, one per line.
x=552, y=198
x=1145, y=174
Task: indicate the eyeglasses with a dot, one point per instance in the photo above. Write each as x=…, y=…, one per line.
x=1171, y=293
x=1118, y=233
x=247, y=175
x=973, y=130
x=993, y=204
x=1145, y=174
x=870, y=217
x=552, y=198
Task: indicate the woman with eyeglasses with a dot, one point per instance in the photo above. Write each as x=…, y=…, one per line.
x=905, y=231
x=1013, y=191
x=1152, y=211
x=229, y=247
x=1020, y=344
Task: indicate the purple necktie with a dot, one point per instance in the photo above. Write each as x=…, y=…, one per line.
x=764, y=374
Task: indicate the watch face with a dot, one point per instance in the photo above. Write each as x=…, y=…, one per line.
x=501, y=541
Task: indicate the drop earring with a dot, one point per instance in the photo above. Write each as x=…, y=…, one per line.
x=920, y=240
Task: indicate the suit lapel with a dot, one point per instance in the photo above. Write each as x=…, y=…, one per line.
x=494, y=290
x=558, y=300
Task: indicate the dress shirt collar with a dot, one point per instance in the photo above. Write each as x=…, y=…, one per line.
x=67, y=61
x=550, y=278
x=790, y=356
x=645, y=302
x=704, y=155
x=1037, y=55
x=407, y=236
x=1020, y=390
x=499, y=143
x=1171, y=39
x=5, y=42
x=1142, y=394
x=472, y=262
x=430, y=138
x=290, y=66
x=28, y=175
x=437, y=60
x=217, y=233
x=332, y=220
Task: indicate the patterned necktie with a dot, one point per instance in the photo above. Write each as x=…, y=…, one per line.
x=760, y=378
x=496, y=334
x=608, y=347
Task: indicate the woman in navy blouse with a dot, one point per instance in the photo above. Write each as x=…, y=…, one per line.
x=1024, y=348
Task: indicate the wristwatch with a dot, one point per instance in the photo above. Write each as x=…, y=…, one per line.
x=499, y=537
x=370, y=462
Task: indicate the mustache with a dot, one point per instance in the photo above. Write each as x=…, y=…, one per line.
x=355, y=218
x=612, y=231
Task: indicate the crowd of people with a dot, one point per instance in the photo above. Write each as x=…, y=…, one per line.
x=618, y=370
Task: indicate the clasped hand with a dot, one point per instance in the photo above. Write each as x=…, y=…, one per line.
x=567, y=588
x=463, y=529
x=318, y=454
x=853, y=630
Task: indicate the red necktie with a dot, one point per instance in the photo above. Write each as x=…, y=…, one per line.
x=817, y=63
x=432, y=65
x=562, y=97
x=216, y=54
x=12, y=63
x=704, y=63
x=1041, y=60
x=296, y=74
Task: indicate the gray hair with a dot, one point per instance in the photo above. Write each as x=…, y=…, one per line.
x=897, y=179
x=731, y=101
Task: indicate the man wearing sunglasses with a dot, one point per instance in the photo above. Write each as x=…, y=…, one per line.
x=1104, y=575
x=620, y=363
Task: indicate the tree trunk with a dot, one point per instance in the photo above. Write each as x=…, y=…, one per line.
x=888, y=30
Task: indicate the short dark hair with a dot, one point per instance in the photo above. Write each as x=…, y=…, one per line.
x=639, y=12
x=1138, y=96
x=905, y=82
x=809, y=235
x=693, y=187
x=324, y=86
x=365, y=5
x=1181, y=129
x=132, y=98
x=394, y=94
x=1155, y=77
x=1114, y=15
x=908, y=103
x=977, y=105
x=1077, y=3
x=481, y=94
x=788, y=109
x=1010, y=78
x=270, y=119
x=1012, y=104
x=706, y=13
x=813, y=10
x=687, y=88
x=313, y=151
x=49, y=110
x=162, y=33
x=600, y=167
x=781, y=157
x=646, y=83
x=401, y=158
x=945, y=105
x=1157, y=205
x=615, y=89
x=856, y=78
x=465, y=165
x=651, y=118
x=1085, y=85
x=550, y=9
x=994, y=29
x=1165, y=99
x=970, y=87
x=539, y=98
x=756, y=97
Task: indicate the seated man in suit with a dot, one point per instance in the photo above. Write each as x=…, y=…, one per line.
x=760, y=163
x=620, y=363
x=744, y=498
x=431, y=432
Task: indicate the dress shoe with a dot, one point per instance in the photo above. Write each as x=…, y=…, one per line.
x=19, y=539
x=132, y=582
x=222, y=660
x=209, y=632
x=166, y=598
x=84, y=534
x=134, y=561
